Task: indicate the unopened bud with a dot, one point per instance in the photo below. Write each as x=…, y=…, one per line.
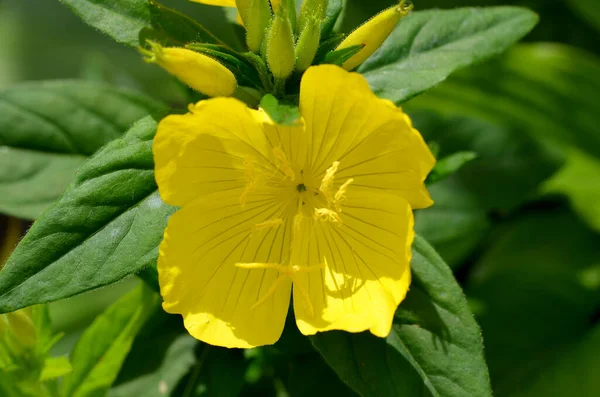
x=199, y=71
x=21, y=327
x=259, y=16
x=308, y=44
x=243, y=7
x=373, y=33
x=280, y=47
x=311, y=10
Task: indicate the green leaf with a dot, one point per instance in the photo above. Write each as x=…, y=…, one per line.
x=538, y=293
x=98, y=355
x=510, y=165
x=177, y=27
x=120, y=19
x=456, y=222
x=48, y=129
x=574, y=375
x=435, y=344
x=588, y=10
x=280, y=114
x=427, y=46
x=579, y=181
x=55, y=367
x=106, y=226
x=334, y=10
x=548, y=91
x=177, y=361
x=449, y=165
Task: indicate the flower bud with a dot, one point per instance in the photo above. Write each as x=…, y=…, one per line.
x=259, y=16
x=373, y=33
x=21, y=327
x=280, y=47
x=312, y=9
x=199, y=71
x=243, y=7
x=308, y=44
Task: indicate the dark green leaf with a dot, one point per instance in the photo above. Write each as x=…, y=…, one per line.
x=281, y=114
x=120, y=19
x=588, y=9
x=177, y=361
x=456, y=223
x=107, y=225
x=427, y=46
x=548, y=91
x=435, y=344
x=48, y=129
x=177, y=27
x=538, y=290
x=510, y=165
x=98, y=355
x=449, y=165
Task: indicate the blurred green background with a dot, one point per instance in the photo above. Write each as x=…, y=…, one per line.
x=519, y=225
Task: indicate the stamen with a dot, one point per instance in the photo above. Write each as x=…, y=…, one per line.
x=250, y=179
x=340, y=196
x=327, y=182
x=306, y=298
x=325, y=214
x=284, y=163
x=271, y=223
x=269, y=293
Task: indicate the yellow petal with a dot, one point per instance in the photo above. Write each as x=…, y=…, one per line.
x=372, y=139
x=209, y=150
x=367, y=274
x=199, y=278
x=222, y=3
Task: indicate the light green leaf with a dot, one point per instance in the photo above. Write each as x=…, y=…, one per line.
x=178, y=359
x=537, y=292
x=448, y=165
x=550, y=91
x=435, y=347
x=48, y=129
x=427, y=46
x=579, y=181
x=281, y=114
x=106, y=226
x=98, y=355
x=55, y=367
x=120, y=19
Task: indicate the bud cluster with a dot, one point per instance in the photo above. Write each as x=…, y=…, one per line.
x=281, y=42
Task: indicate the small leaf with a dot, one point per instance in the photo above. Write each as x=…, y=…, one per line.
x=449, y=165
x=435, y=343
x=48, y=129
x=55, y=367
x=120, y=19
x=340, y=56
x=280, y=114
x=334, y=10
x=99, y=353
x=106, y=226
x=427, y=46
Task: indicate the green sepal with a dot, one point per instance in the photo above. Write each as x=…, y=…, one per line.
x=281, y=114
x=340, y=56
x=328, y=45
x=244, y=71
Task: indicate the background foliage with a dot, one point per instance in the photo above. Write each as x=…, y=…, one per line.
x=519, y=223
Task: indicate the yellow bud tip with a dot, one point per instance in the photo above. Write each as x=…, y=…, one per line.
x=202, y=73
x=373, y=33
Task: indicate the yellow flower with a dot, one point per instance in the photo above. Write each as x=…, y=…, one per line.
x=232, y=3
x=322, y=210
